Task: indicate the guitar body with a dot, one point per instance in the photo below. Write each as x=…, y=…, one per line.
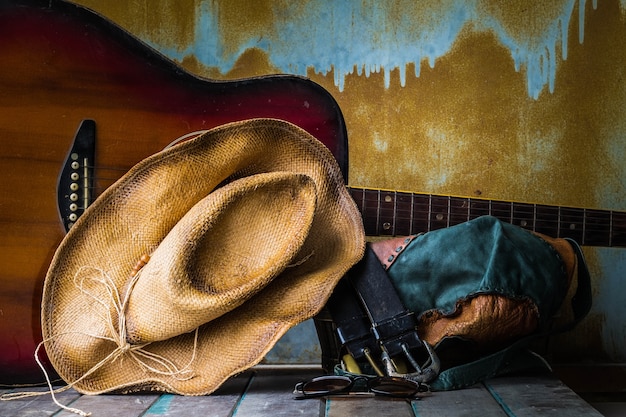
x=62, y=64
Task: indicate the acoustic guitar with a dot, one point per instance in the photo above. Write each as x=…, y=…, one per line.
x=81, y=101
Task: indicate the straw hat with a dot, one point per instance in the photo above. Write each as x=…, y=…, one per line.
x=189, y=268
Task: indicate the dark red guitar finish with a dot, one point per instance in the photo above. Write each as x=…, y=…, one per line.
x=61, y=64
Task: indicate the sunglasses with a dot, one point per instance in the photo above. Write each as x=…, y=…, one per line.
x=389, y=386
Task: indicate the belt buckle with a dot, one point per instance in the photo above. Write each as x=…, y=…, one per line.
x=423, y=373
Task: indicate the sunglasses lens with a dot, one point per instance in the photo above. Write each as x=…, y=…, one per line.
x=326, y=385
x=394, y=386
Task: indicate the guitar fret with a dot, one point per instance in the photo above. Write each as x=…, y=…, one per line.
x=412, y=231
x=524, y=215
x=610, y=228
x=403, y=225
x=597, y=228
x=358, y=195
x=618, y=229
x=386, y=213
x=502, y=210
x=547, y=220
x=439, y=213
x=459, y=210
x=571, y=223
x=391, y=213
x=479, y=208
x=421, y=209
x=371, y=211
x=584, y=226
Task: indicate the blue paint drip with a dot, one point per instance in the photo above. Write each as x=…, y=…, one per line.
x=162, y=405
x=361, y=35
x=538, y=55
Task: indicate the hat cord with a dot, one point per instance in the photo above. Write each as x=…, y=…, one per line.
x=137, y=352
x=51, y=391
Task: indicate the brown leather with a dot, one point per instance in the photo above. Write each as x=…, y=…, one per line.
x=489, y=321
x=387, y=250
x=565, y=251
x=565, y=314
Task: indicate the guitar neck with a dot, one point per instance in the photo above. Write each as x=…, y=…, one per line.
x=392, y=213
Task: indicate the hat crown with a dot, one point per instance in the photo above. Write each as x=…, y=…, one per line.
x=209, y=264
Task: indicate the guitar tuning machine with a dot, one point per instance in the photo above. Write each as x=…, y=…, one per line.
x=75, y=180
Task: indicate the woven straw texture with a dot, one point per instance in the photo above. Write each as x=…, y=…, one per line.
x=248, y=227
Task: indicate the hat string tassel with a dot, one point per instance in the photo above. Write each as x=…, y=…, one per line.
x=51, y=391
x=147, y=360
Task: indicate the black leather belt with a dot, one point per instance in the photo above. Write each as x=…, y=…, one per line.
x=372, y=322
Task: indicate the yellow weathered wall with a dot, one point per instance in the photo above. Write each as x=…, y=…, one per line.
x=470, y=124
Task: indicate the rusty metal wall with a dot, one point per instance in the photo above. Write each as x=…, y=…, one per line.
x=518, y=100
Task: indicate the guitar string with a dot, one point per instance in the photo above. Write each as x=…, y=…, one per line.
x=576, y=220
x=585, y=225
x=593, y=219
x=594, y=222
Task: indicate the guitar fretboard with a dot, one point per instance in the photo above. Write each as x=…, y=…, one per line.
x=400, y=213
